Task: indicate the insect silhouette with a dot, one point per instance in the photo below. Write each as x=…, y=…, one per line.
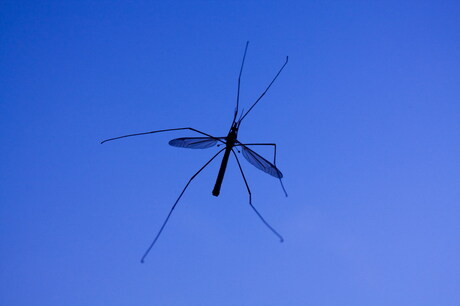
x=230, y=143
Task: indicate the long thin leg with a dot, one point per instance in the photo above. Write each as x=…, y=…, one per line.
x=239, y=80
x=269, y=85
x=250, y=200
x=159, y=131
x=274, y=158
x=174, y=206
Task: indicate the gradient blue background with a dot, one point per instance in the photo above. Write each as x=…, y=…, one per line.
x=366, y=116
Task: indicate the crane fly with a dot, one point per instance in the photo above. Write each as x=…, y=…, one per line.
x=230, y=143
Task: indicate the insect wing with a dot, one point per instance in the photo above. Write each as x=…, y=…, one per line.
x=260, y=163
x=193, y=142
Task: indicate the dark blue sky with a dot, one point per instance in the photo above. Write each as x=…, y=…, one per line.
x=366, y=116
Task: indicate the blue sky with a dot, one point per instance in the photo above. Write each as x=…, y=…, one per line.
x=365, y=115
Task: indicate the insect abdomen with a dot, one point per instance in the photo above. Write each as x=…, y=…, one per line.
x=220, y=176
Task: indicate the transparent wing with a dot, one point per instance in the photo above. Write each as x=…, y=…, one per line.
x=194, y=142
x=259, y=162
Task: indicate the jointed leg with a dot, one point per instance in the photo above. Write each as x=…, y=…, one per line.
x=274, y=158
x=159, y=131
x=264, y=144
x=174, y=206
x=239, y=81
x=268, y=87
x=250, y=200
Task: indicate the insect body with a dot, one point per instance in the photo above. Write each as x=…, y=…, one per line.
x=230, y=142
